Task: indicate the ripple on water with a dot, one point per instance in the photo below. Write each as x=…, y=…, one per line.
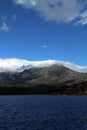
x=42, y=112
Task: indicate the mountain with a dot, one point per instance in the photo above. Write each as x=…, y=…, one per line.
x=56, y=79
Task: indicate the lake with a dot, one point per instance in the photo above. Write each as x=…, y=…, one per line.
x=43, y=112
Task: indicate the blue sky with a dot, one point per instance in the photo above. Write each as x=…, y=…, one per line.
x=44, y=29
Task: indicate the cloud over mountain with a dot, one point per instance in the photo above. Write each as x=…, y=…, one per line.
x=61, y=11
x=18, y=65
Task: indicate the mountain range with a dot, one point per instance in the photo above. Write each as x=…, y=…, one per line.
x=55, y=79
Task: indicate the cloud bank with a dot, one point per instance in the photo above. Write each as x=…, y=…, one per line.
x=60, y=11
x=18, y=65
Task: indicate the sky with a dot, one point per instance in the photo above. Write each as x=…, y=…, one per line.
x=38, y=30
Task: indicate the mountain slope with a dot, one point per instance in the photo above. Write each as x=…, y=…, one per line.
x=54, y=79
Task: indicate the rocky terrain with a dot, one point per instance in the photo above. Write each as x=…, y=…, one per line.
x=55, y=79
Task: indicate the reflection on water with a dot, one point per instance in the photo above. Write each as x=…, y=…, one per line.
x=42, y=112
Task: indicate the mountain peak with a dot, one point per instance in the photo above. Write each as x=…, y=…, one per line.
x=51, y=79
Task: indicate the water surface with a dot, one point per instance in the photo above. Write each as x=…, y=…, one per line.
x=43, y=112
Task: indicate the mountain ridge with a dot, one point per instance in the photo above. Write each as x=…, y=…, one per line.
x=54, y=79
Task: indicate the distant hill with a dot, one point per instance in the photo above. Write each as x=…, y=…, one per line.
x=55, y=79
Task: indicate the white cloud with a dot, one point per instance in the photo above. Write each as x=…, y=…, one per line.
x=5, y=27
x=44, y=46
x=26, y=3
x=61, y=11
x=83, y=18
x=18, y=65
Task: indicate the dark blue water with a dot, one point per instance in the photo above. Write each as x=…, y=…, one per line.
x=38, y=112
